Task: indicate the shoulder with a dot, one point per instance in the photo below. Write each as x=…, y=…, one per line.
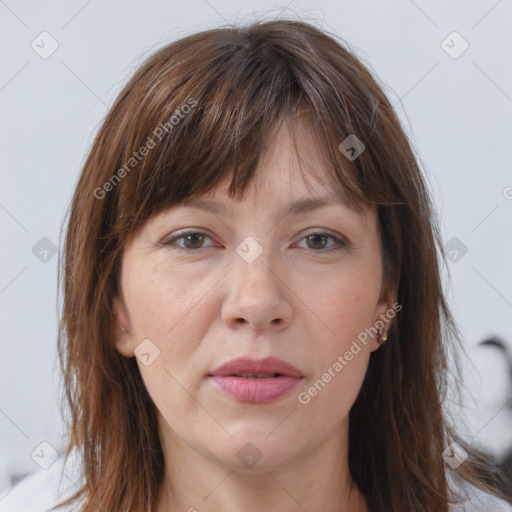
x=43, y=489
x=477, y=500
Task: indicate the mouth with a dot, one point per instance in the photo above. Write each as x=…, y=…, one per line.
x=246, y=367
x=255, y=389
x=256, y=381
x=256, y=375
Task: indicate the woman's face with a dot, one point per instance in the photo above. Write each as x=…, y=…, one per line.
x=255, y=279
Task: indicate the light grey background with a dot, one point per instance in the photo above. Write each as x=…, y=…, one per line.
x=457, y=110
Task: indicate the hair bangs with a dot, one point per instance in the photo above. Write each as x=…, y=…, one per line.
x=220, y=128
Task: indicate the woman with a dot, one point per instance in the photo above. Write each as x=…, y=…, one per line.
x=253, y=311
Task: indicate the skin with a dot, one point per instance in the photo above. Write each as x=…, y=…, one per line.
x=295, y=301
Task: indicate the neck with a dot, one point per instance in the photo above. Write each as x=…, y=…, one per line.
x=317, y=480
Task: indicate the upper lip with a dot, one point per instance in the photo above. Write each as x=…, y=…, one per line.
x=249, y=365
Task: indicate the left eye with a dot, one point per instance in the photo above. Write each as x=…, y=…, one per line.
x=193, y=240
x=321, y=238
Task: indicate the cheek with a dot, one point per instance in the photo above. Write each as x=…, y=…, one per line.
x=333, y=394
x=167, y=309
x=343, y=350
x=348, y=311
x=344, y=354
x=342, y=359
x=161, y=302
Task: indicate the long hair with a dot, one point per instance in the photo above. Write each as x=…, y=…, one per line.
x=196, y=110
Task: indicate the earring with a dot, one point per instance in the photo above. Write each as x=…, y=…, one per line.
x=123, y=329
x=383, y=334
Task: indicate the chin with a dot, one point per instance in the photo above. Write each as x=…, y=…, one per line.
x=258, y=453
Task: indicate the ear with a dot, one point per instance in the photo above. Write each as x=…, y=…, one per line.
x=386, y=309
x=123, y=340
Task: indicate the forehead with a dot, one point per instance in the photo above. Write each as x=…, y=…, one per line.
x=279, y=204
x=285, y=208
x=291, y=174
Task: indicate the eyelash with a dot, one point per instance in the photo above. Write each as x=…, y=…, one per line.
x=339, y=244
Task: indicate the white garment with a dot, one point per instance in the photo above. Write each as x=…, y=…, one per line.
x=480, y=501
x=43, y=489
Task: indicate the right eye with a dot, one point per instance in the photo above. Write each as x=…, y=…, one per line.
x=192, y=241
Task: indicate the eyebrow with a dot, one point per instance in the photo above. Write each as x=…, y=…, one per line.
x=294, y=208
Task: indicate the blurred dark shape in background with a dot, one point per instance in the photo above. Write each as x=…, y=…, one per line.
x=504, y=462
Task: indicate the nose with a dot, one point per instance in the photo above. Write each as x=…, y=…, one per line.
x=257, y=297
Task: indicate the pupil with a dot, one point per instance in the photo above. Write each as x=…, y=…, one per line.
x=323, y=237
x=192, y=236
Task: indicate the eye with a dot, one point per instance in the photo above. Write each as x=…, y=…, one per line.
x=192, y=240
x=318, y=239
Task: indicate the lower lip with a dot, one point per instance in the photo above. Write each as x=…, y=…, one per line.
x=256, y=391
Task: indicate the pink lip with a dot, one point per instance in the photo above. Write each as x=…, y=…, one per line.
x=256, y=390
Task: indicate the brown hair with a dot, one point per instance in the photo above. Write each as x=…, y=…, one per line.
x=239, y=83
